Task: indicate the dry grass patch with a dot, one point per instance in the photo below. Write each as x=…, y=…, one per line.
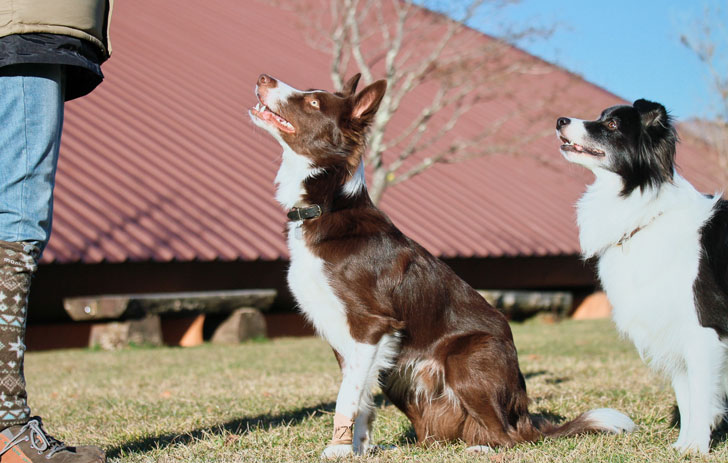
x=273, y=401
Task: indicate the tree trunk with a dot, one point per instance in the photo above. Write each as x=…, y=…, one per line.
x=378, y=185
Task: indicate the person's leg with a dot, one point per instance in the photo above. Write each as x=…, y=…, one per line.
x=17, y=264
x=31, y=108
x=31, y=111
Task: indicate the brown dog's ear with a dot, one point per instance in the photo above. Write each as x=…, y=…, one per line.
x=350, y=85
x=367, y=102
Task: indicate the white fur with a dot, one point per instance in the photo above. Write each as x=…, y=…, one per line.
x=295, y=167
x=576, y=132
x=610, y=420
x=310, y=285
x=277, y=95
x=309, y=282
x=282, y=92
x=649, y=282
x=478, y=449
x=362, y=434
x=361, y=366
x=273, y=99
x=385, y=353
x=356, y=183
x=358, y=362
x=306, y=275
x=334, y=452
x=362, y=363
x=422, y=376
x=291, y=175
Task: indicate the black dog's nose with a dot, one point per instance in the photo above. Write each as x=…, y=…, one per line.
x=562, y=121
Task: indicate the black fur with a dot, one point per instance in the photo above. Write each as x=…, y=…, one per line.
x=711, y=285
x=642, y=144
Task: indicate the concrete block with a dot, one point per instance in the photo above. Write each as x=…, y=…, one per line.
x=115, y=335
x=242, y=324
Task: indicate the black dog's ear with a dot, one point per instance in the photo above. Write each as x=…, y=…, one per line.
x=350, y=85
x=653, y=163
x=651, y=113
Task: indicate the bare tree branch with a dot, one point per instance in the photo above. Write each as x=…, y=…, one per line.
x=352, y=25
x=707, y=41
x=452, y=67
x=339, y=60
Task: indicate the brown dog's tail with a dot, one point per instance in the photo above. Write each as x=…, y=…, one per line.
x=532, y=428
x=599, y=420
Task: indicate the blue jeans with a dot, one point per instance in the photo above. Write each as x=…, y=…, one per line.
x=31, y=119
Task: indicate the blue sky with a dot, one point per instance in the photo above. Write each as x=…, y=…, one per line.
x=631, y=48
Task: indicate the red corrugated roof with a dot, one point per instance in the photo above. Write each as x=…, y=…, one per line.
x=162, y=163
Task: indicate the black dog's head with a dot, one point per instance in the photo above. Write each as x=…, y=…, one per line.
x=637, y=142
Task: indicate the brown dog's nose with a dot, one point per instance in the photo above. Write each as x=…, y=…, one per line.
x=266, y=81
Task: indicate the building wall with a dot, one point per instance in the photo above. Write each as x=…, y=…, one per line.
x=54, y=282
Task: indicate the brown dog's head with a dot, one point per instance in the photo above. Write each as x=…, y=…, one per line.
x=327, y=128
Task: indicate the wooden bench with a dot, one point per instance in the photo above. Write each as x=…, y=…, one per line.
x=519, y=305
x=172, y=318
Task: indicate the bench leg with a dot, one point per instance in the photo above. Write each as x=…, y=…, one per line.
x=242, y=324
x=115, y=335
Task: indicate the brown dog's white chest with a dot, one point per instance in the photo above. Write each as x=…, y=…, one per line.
x=316, y=298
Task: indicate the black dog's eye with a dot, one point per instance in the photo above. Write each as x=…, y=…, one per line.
x=612, y=124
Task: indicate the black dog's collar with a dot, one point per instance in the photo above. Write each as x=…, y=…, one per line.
x=628, y=236
x=304, y=213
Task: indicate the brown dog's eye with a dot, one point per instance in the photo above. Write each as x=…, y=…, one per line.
x=612, y=125
x=314, y=103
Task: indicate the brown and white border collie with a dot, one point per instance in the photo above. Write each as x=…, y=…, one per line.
x=390, y=310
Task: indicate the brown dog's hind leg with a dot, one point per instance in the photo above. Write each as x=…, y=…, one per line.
x=482, y=372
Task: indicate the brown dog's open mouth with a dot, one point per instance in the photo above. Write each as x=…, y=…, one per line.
x=264, y=113
x=575, y=147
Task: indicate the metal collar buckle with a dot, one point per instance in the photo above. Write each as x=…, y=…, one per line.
x=305, y=213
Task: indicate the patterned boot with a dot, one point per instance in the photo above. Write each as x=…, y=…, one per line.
x=17, y=265
x=23, y=439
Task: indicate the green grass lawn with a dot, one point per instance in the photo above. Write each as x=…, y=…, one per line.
x=274, y=401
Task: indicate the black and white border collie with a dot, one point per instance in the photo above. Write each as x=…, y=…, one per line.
x=390, y=310
x=662, y=250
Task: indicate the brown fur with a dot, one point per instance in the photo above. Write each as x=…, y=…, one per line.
x=456, y=375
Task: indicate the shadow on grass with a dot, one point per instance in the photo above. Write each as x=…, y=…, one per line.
x=532, y=374
x=240, y=427
x=243, y=425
